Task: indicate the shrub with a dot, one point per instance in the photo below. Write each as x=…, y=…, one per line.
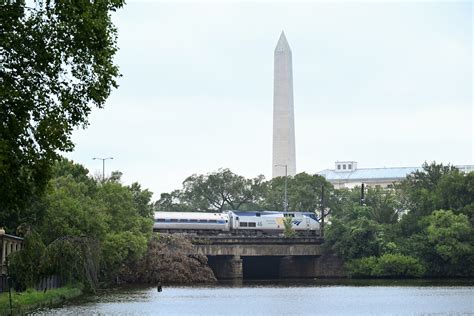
x=361, y=268
x=288, y=231
x=386, y=266
x=395, y=265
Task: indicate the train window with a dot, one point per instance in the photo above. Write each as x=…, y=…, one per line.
x=160, y=220
x=193, y=220
x=252, y=224
x=203, y=221
x=288, y=215
x=173, y=220
x=237, y=218
x=183, y=220
x=243, y=224
x=258, y=214
x=212, y=221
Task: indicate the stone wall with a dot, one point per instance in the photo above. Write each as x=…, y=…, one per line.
x=327, y=266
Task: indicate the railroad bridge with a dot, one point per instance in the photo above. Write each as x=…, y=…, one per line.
x=263, y=257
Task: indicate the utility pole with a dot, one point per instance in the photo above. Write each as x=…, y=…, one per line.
x=362, y=195
x=285, y=202
x=322, y=211
x=103, y=165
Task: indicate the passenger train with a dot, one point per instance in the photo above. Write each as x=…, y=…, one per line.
x=235, y=222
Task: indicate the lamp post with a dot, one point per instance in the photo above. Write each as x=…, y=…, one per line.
x=285, y=205
x=103, y=165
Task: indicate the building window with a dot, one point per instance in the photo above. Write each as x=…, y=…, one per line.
x=344, y=167
x=338, y=167
x=349, y=167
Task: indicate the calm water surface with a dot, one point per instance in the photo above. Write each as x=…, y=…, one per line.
x=270, y=298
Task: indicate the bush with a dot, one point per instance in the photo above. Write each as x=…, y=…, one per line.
x=395, y=265
x=288, y=231
x=361, y=268
x=386, y=266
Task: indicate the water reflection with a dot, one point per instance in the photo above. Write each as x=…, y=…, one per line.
x=328, y=297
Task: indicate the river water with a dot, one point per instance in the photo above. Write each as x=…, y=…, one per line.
x=287, y=298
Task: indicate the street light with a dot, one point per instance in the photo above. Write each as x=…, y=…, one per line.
x=285, y=203
x=103, y=165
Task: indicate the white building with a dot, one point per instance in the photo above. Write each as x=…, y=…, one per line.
x=347, y=175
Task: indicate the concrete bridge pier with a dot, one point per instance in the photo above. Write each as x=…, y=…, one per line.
x=226, y=267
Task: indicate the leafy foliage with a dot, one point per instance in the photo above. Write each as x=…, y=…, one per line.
x=23, y=264
x=217, y=191
x=304, y=193
x=408, y=221
x=288, y=231
x=356, y=238
x=386, y=266
x=90, y=230
x=56, y=63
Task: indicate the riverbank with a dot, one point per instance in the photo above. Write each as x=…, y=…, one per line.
x=30, y=300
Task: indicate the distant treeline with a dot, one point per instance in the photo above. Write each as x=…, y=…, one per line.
x=98, y=232
x=419, y=227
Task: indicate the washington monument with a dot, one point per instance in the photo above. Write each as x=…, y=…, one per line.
x=284, y=156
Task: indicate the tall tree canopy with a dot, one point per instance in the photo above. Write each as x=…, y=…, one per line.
x=85, y=224
x=218, y=191
x=56, y=63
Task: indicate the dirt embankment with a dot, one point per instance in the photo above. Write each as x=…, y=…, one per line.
x=168, y=261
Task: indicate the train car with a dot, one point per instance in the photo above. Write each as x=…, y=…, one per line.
x=272, y=222
x=191, y=222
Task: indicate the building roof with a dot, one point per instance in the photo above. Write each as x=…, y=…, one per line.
x=368, y=173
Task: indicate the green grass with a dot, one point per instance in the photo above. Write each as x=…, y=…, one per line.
x=32, y=299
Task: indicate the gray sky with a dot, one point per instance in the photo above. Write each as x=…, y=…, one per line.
x=384, y=84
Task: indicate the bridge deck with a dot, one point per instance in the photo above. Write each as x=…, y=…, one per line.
x=255, y=240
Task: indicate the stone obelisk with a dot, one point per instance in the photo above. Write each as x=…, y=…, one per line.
x=284, y=156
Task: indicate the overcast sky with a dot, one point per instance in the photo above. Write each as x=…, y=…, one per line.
x=385, y=84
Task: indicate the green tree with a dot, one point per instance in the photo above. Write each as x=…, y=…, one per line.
x=73, y=210
x=129, y=231
x=216, y=191
x=171, y=202
x=56, y=63
x=304, y=193
x=383, y=205
x=24, y=265
x=420, y=194
x=356, y=238
x=142, y=200
x=455, y=191
x=450, y=236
